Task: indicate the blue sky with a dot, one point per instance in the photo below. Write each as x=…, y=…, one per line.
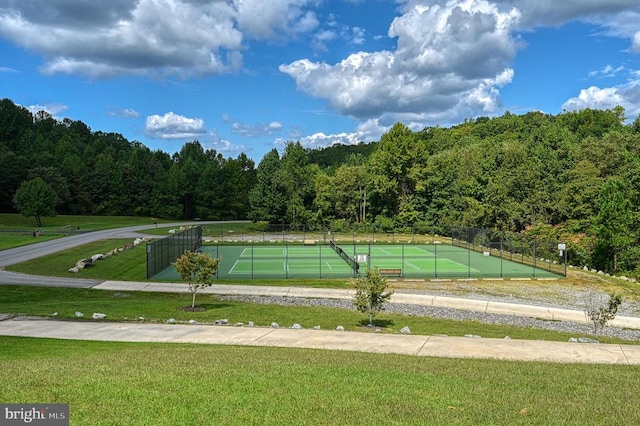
x=249, y=75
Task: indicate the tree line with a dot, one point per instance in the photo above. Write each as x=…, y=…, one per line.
x=573, y=176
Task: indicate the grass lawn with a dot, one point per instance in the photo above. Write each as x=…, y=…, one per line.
x=17, y=230
x=158, y=307
x=11, y=239
x=130, y=265
x=177, y=384
x=70, y=222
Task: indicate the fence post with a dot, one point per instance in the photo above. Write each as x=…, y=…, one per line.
x=501, y=255
x=535, y=258
x=468, y=261
x=435, y=261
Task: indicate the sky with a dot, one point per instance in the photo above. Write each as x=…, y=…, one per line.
x=247, y=76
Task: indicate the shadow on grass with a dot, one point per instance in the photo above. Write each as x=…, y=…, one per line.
x=204, y=307
x=381, y=323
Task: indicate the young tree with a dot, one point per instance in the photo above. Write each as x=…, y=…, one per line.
x=35, y=198
x=371, y=293
x=600, y=312
x=198, y=270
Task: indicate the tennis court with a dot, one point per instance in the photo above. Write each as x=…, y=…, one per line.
x=326, y=261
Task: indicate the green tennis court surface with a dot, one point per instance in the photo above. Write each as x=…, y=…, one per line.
x=322, y=261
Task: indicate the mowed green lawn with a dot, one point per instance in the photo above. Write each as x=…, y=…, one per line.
x=17, y=230
x=158, y=307
x=108, y=383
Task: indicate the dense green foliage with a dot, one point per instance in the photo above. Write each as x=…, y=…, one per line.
x=35, y=198
x=573, y=177
x=104, y=174
x=198, y=270
x=371, y=293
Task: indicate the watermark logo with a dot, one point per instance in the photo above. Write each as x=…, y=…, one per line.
x=34, y=414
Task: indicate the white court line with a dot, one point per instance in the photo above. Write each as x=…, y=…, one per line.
x=234, y=266
x=413, y=266
x=466, y=267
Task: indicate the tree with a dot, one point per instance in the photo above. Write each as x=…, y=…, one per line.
x=613, y=222
x=267, y=201
x=397, y=168
x=198, y=270
x=599, y=312
x=371, y=293
x=295, y=181
x=35, y=198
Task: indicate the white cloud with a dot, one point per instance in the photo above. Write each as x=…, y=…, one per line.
x=321, y=140
x=358, y=35
x=148, y=37
x=252, y=130
x=554, y=12
x=450, y=61
x=607, y=71
x=53, y=109
x=635, y=44
x=221, y=145
x=158, y=38
x=127, y=112
x=627, y=96
x=617, y=18
x=174, y=126
x=275, y=18
x=7, y=70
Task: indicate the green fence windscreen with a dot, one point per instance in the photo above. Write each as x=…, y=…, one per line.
x=161, y=253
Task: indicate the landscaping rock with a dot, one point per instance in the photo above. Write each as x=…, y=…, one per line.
x=221, y=322
x=405, y=330
x=339, y=328
x=74, y=270
x=193, y=322
x=97, y=315
x=316, y=327
x=251, y=324
x=171, y=321
x=473, y=336
x=296, y=326
x=79, y=314
x=587, y=340
x=274, y=325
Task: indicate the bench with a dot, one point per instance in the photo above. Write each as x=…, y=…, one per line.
x=309, y=242
x=391, y=271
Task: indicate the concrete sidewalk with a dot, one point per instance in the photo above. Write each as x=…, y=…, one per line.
x=427, y=346
x=504, y=308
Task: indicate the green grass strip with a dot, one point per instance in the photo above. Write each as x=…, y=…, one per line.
x=108, y=383
x=159, y=307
